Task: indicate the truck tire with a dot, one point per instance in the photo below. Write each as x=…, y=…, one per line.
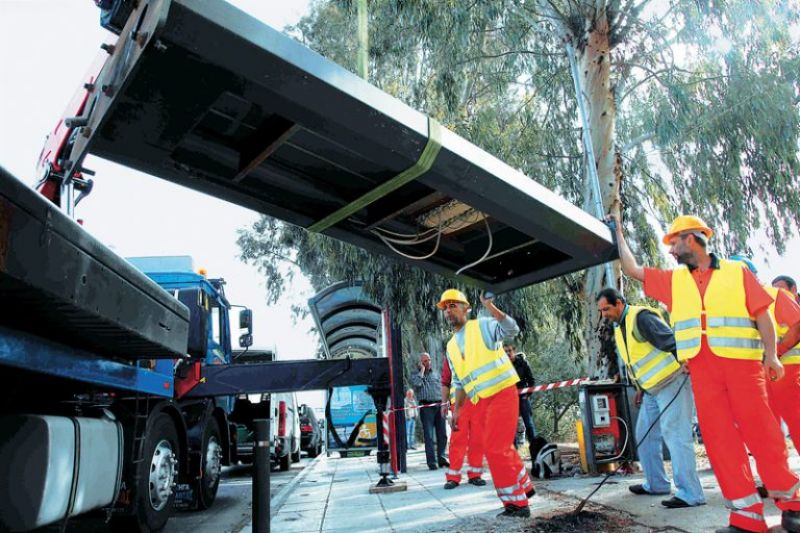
x=296, y=456
x=313, y=451
x=285, y=462
x=212, y=465
x=153, y=496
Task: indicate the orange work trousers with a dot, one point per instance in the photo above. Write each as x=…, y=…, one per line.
x=510, y=477
x=784, y=400
x=467, y=440
x=733, y=411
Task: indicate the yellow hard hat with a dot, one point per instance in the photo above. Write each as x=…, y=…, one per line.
x=687, y=223
x=451, y=295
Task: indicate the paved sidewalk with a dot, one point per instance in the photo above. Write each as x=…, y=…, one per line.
x=334, y=496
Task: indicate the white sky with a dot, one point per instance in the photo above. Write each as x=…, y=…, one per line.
x=46, y=46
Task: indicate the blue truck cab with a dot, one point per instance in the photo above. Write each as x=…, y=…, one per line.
x=134, y=444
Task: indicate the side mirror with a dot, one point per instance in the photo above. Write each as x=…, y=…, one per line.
x=246, y=320
x=246, y=340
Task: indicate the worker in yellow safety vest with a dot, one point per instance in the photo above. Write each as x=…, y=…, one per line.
x=646, y=346
x=483, y=374
x=719, y=313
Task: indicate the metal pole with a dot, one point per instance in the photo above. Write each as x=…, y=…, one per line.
x=363, y=40
x=589, y=147
x=261, y=472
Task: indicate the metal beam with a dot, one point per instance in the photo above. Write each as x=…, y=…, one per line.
x=29, y=352
x=291, y=376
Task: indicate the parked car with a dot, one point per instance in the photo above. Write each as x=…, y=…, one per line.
x=311, y=437
x=283, y=414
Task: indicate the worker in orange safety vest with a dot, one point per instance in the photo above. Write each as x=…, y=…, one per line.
x=467, y=440
x=720, y=315
x=784, y=394
x=483, y=374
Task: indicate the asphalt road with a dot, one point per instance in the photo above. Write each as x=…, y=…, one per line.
x=230, y=513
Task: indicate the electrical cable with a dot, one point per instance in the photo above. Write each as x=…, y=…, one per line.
x=625, y=445
x=485, y=255
x=414, y=257
x=404, y=235
x=409, y=242
x=583, y=503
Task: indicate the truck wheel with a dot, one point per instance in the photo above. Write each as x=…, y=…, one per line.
x=296, y=456
x=285, y=462
x=212, y=465
x=156, y=475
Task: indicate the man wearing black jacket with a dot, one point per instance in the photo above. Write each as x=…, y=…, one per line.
x=525, y=380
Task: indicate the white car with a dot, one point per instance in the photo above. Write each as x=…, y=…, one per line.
x=284, y=418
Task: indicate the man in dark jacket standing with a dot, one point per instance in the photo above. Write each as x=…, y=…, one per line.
x=525, y=380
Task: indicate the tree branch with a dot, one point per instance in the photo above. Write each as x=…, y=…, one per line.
x=636, y=141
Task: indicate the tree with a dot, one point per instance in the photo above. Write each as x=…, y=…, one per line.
x=692, y=107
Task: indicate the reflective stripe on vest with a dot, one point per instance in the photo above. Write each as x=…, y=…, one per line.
x=730, y=330
x=790, y=357
x=648, y=365
x=482, y=372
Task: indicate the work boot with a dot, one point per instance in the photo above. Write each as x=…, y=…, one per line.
x=478, y=482
x=512, y=511
x=531, y=493
x=790, y=521
x=639, y=490
x=450, y=485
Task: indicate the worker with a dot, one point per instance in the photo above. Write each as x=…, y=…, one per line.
x=483, y=374
x=784, y=395
x=646, y=345
x=525, y=382
x=787, y=283
x=722, y=327
x=468, y=440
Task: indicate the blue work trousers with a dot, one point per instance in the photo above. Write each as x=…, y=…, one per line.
x=675, y=427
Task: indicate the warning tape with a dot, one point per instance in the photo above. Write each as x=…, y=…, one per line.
x=556, y=385
x=526, y=390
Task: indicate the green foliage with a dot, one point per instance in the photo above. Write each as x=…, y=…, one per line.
x=707, y=122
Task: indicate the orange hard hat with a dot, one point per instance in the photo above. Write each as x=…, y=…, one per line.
x=685, y=223
x=451, y=295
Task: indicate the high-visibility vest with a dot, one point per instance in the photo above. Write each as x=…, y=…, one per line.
x=646, y=364
x=483, y=372
x=791, y=357
x=730, y=330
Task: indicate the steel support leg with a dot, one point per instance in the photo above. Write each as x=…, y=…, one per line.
x=379, y=396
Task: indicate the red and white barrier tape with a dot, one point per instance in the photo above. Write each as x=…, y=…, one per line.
x=526, y=390
x=556, y=385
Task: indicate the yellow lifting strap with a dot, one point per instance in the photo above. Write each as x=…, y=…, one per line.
x=423, y=165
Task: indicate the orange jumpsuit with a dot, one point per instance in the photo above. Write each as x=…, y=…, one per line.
x=468, y=439
x=731, y=400
x=784, y=395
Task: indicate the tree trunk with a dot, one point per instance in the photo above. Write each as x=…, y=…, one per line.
x=594, y=68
